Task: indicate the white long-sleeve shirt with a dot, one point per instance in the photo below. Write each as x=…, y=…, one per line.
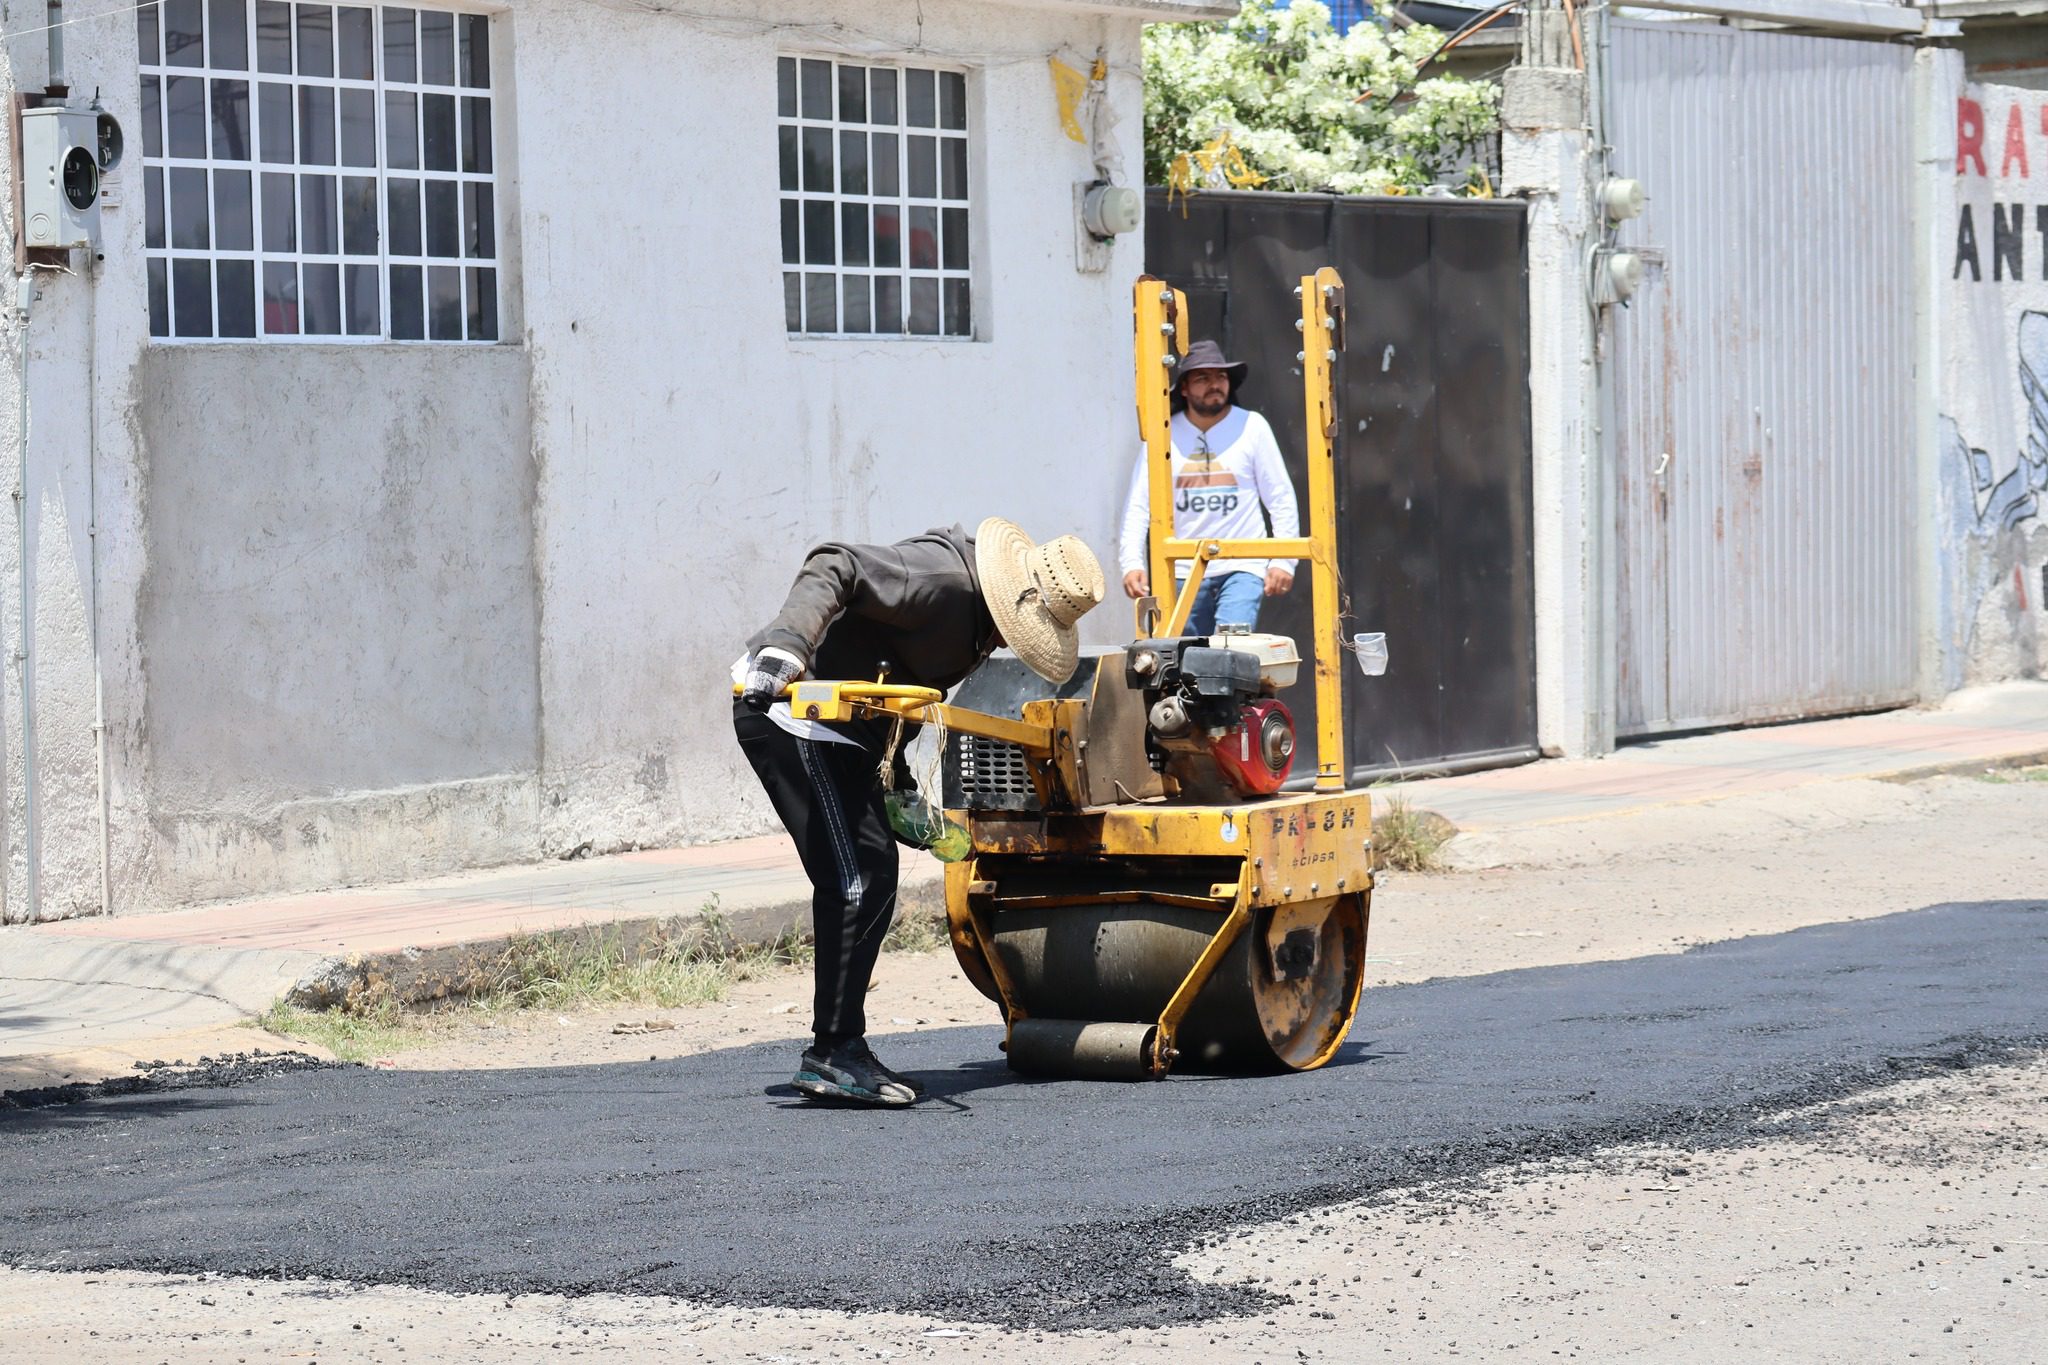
x=1221, y=477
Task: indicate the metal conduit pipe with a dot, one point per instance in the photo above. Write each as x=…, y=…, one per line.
x=31, y=847
x=92, y=542
x=1606, y=493
x=56, y=81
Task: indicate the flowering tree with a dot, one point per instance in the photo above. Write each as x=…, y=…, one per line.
x=1282, y=87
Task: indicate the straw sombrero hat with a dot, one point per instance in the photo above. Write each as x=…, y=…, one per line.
x=1036, y=593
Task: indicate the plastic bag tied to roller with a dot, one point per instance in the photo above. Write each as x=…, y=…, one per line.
x=917, y=821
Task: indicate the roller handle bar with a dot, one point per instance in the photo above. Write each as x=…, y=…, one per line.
x=903, y=695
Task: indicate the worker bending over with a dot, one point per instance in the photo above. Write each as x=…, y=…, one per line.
x=1227, y=478
x=930, y=608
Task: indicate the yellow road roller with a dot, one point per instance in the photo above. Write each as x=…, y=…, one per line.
x=1141, y=892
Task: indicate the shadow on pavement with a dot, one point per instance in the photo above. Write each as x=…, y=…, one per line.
x=76, y=1120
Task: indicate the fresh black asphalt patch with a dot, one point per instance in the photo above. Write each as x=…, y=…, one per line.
x=1056, y=1204
x=160, y=1077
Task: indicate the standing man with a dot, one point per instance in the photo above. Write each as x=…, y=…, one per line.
x=930, y=609
x=1227, y=479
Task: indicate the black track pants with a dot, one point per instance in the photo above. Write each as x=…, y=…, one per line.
x=830, y=801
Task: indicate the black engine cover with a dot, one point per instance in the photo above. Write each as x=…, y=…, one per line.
x=1229, y=674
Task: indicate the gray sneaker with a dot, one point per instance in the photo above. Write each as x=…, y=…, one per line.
x=850, y=1074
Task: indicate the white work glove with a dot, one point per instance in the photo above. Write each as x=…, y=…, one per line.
x=769, y=674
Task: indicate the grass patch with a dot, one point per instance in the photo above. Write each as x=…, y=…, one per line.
x=918, y=931
x=2006, y=776
x=694, y=962
x=351, y=1035
x=1408, y=840
x=599, y=967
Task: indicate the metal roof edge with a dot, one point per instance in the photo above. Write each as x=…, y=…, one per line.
x=1984, y=9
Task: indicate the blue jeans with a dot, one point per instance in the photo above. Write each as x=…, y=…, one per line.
x=1231, y=599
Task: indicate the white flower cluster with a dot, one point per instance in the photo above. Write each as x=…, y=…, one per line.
x=1284, y=87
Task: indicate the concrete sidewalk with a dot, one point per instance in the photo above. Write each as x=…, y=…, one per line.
x=2004, y=725
x=92, y=995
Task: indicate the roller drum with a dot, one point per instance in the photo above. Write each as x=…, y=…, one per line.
x=1268, y=1006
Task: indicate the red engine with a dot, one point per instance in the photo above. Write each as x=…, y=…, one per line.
x=1254, y=756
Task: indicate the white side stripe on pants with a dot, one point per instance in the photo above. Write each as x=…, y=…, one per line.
x=850, y=882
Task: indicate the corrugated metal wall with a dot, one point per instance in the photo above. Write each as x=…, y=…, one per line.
x=1762, y=378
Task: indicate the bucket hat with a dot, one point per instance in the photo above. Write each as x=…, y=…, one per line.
x=1036, y=593
x=1207, y=355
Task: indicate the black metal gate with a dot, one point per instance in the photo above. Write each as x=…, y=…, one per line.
x=1433, y=469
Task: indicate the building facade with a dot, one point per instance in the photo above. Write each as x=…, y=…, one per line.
x=1786, y=459
x=457, y=387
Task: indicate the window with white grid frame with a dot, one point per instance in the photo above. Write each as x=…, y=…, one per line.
x=875, y=222
x=318, y=172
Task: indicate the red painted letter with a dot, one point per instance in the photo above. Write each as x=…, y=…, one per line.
x=1970, y=134
x=2015, y=145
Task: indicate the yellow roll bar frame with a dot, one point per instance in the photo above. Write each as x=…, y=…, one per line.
x=1161, y=319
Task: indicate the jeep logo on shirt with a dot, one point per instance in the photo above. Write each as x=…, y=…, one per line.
x=1205, y=484
x=1220, y=501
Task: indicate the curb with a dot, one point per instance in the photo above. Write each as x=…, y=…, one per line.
x=415, y=977
x=1961, y=767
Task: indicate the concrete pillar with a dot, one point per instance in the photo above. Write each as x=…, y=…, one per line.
x=52, y=864
x=13, y=787
x=1936, y=82
x=1548, y=155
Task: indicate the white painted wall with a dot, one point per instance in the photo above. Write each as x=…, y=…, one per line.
x=648, y=455
x=691, y=450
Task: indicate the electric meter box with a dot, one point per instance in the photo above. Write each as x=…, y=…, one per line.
x=60, y=177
